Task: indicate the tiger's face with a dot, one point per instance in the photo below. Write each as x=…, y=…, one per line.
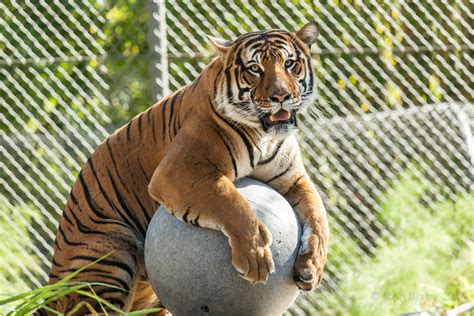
x=267, y=78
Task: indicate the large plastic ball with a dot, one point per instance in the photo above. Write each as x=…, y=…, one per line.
x=190, y=267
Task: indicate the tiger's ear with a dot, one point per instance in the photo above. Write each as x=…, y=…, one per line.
x=308, y=33
x=220, y=46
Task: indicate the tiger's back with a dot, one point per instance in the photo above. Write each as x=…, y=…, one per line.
x=109, y=208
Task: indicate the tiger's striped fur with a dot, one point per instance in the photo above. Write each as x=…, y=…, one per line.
x=235, y=120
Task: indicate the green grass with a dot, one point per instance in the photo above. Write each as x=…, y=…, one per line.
x=429, y=265
x=17, y=256
x=28, y=302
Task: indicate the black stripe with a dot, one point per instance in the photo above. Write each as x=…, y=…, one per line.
x=247, y=82
x=293, y=185
x=111, y=204
x=106, y=262
x=143, y=171
x=259, y=38
x=303, y=83
x=230, y=125
x=142, y=208
x=125, y=207
x=140, y=125
x=242, y=136
x=84, y=229
x=311, y=75
x=104, y=274
x=172, y=115
x=112, y=221
x=246, y=36
x=177, y=116
x=247, y=144
x=105, y=290
x=73, y=197
x=229, y=83
x=255, y=47
x=115, y=167
x=238, y=58
x=281, y=43
x=148, y=113
x=218, y=114
x=297, y=202
x=163, y=112
x=90, y=203
x=52, y=275
x=280, y=174
x=101, y=189
x=215, y=80
x=239, y=87
x=153, y=127
x=85, y=270
x=81, y=211
x=268, y=36
x=56, y=243
x=128, y=130
x=173, y=101
x=302, y=48
x=107, y=275
x=176, y=125
x=115, y=301
x=66, y=217
x=274, y=154
x=234, y=164
x=67, y=241
x=249, y=137
x=105, y=195
x=55, y=263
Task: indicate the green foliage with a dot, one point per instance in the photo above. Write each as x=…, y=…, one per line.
x=128, y=58
x=17, y=257
x=28, y=302
x=427, y=265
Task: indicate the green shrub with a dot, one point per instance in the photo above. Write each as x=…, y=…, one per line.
x=18, y=263
x=427, y=265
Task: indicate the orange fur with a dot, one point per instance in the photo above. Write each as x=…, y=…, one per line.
x=184, y=153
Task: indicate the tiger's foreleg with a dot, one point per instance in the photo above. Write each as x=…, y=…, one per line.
x=312, y=255
x=286, y=174
x=195, y=187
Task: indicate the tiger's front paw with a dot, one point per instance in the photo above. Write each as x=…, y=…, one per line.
x=251, y=255
x=310, y=263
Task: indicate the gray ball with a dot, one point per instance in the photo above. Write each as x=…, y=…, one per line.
x=190, y=267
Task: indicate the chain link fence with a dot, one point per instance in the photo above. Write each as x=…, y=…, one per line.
x=395, y=110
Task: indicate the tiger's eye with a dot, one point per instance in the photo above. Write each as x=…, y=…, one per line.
x=254, y=68
x=289, y=63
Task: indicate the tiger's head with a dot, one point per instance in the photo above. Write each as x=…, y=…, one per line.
x=266, y=78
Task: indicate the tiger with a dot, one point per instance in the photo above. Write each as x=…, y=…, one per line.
x=237, y=119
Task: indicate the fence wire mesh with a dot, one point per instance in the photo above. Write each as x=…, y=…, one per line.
x=396, y=103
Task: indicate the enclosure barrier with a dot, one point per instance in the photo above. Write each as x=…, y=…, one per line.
x=395, y=105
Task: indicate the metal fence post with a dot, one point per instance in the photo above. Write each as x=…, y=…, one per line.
x=157, y=39
x=467, y=134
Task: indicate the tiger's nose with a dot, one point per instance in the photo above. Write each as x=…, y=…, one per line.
x=280, y=97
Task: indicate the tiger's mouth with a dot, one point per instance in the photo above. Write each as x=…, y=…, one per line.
x=282, y=118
